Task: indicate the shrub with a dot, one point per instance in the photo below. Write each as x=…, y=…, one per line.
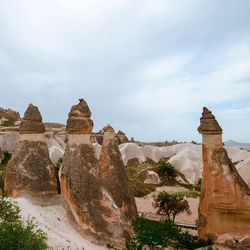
x=171, y=204
x=158, y=235
x=187, y=241
x=167, y=169
x=14, y=234
x=152, y=234
x=6, y=158
x=59, y=163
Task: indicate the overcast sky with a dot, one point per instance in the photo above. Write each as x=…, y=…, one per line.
x=146, y=67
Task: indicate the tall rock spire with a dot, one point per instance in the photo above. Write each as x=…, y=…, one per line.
x=224, y=208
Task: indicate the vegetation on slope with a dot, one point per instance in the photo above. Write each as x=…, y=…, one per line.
x=16, y=234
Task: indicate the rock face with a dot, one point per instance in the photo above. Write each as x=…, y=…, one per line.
x=152, y=178
x=224, y=209
x=90, y=204
x=9, y=117
x=113, y=174
x=30, y=169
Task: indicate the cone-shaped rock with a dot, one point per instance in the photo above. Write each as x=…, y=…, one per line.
x=113, y=174
x=224, y=208
x=32, y=121
x=92, y=208
x=208, y=123
x=79, y=121
x=30, y=169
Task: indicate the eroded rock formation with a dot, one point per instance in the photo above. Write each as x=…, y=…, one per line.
x=122, y=138
x=224, y=209
x=87, y=199
x=30, y=169
x=113, y=174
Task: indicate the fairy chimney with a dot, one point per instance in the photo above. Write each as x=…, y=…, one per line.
x=224, y=208
x=87, y=200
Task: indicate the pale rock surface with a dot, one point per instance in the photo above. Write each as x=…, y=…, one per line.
x=53, y=220
x=152, y=178
x=186, y=157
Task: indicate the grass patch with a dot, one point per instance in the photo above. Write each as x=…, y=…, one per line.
x=137, y=173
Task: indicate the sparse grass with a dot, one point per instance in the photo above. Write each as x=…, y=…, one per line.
x=137, y=173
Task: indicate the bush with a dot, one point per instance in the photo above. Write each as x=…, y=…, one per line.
x=6, y=158
x=187, y=241
x=166, y=169
x=14, y=234
x=152, y=234
x=158, y=235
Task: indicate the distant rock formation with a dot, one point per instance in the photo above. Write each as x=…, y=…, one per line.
x=122, y=138
x=113, y=174
x=9, y=117
x=87, y=199
x=30, y=169
x=152, y=178
x=224, y=209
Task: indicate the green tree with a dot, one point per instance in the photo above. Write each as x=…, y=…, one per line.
x=152, y=234
x=171, y=204
x=166, y=169
x=14, y=234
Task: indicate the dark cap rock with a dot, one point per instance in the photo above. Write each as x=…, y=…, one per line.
x=79, y=121
x=208, y=123
x=108, y=128
x=32, y=121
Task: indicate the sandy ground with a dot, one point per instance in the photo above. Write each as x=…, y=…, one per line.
x=145, y=206
x=53, y=221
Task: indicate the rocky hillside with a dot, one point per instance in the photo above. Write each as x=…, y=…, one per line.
x=9, y=117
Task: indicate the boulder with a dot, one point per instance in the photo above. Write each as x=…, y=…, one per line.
x=152, y=178
x=224, y=208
